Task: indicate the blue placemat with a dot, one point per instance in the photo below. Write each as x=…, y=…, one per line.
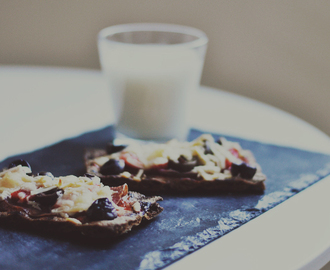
x=186, y=224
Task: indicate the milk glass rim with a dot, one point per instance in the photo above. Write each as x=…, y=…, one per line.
x=201, y=40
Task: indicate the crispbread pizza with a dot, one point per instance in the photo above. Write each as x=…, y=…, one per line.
x=202, y=165
x=70, y=204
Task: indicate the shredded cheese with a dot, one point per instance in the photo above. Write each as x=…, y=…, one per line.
x=211, y=166
x=79, y=192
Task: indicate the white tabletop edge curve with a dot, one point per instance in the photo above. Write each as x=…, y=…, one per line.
x=285, y=129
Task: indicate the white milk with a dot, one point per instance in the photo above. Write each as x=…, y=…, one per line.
x=151, y=88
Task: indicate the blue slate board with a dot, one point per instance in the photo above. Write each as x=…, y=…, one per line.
x=186, y=224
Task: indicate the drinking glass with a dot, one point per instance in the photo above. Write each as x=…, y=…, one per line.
x=152, y=70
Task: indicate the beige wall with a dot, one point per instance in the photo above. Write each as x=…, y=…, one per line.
x=274, y=51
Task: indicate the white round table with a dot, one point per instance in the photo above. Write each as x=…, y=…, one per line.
x=41, y=106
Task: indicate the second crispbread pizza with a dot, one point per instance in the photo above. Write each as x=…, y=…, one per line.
x=204, y=164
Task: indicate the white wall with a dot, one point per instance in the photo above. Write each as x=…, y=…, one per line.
x=274, y=51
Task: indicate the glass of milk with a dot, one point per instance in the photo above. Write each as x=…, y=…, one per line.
x=152, y=71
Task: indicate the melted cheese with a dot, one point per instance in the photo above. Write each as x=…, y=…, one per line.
x=211, y=166
x=79, y=192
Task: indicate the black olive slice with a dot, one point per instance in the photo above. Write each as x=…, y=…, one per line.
x=182, y=165
x=101, y=209
x=113, y=167
x=42, y=173
x=89, y=175
x=18, y=162
x=47, y=198
x=244, y=170
x=112, y=148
